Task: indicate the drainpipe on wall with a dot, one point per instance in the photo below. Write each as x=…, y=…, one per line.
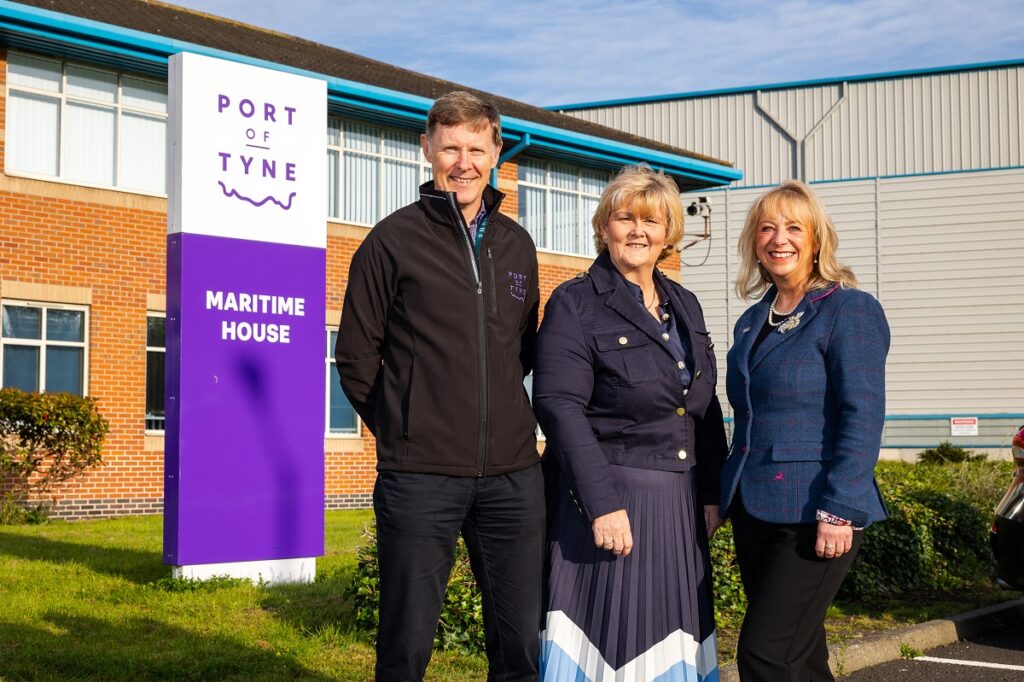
x=800, y=143
x=511, y=153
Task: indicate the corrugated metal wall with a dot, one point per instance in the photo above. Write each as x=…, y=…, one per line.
x=945, y=261
x=966, y=120
x=922, y=177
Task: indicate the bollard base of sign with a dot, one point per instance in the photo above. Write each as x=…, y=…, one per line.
x=269, y=572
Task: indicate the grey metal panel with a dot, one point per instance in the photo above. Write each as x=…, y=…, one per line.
x=954, y=121
x=950, y=256
x=931, y=432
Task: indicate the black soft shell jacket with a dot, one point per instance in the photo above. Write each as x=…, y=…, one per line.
x=434, y=341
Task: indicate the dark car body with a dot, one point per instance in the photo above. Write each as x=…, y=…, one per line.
x=1007, y=536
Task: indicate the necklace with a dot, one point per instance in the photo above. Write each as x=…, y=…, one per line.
x=655, y=302
x=773, y=313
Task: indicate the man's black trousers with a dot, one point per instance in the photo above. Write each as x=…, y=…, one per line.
x=419, y=518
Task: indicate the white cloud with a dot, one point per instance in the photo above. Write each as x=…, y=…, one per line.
x=584, y=50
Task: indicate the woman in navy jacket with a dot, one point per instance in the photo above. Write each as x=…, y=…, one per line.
x=624, y=388
x=806, y=381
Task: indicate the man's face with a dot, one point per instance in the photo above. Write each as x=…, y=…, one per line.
x=462, y=157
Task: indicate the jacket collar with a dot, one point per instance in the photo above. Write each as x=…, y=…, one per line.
x=438, y=204
x=610, y=283
x=795, y=324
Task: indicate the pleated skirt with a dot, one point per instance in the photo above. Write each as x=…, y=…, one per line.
x=648, y=616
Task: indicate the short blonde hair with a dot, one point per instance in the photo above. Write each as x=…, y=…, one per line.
x=796, y=201
x=646, y=192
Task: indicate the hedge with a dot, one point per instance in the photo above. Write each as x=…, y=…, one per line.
x=936, y=538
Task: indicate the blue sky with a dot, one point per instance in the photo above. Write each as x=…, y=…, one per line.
x=563, y=51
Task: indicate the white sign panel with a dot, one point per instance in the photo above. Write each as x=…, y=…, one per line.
x=963, y=426
x=251, y=156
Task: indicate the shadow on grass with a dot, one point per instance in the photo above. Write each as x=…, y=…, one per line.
x=310, y=608
x=83, y=648
x=131, y=564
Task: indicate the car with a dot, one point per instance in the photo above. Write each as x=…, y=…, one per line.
x=1007, y=534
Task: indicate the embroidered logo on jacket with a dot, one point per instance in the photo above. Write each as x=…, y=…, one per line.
x=517, y=285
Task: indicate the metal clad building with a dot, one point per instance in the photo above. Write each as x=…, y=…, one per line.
x=923, y=173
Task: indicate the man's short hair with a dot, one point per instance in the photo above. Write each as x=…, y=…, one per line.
x=463, y=108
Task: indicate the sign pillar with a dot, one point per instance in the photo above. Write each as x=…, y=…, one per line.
x=246, y=329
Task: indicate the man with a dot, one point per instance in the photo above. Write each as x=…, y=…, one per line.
x=436, y=336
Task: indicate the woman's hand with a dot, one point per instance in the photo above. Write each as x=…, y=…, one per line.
x=712, y=519
x=611, y=532
x=833, y=541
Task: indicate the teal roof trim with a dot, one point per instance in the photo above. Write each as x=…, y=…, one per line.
x=64, y=35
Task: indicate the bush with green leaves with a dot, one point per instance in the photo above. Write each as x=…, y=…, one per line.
x=461, y=628
x=935, y=539
x=947, y=453
x=47, y=439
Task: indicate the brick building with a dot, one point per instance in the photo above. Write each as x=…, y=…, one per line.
x=83, y=209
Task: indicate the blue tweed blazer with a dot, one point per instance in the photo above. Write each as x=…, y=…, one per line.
x=809, y=407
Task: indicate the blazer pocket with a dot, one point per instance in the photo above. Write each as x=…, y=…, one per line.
x=799, y=451
x=627, y=353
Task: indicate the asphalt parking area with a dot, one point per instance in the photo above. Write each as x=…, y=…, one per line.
x=994, y=657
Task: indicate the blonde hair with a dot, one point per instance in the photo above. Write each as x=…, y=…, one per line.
x=646, y=192
x=796, y=201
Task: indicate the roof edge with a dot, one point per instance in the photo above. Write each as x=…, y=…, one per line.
x=651, y=99
x=134, y=47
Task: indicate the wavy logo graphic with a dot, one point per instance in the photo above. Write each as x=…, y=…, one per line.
x=234, y=193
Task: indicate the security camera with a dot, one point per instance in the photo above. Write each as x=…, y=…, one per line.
x=701, y=207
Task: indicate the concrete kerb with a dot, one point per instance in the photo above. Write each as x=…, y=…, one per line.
x=889, y=645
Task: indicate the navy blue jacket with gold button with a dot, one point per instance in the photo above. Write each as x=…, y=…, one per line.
x=607, y=388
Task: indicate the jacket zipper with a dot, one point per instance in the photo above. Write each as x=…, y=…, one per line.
x=481, y=333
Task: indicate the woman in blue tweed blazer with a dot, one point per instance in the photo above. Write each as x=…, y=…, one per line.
x=806, y=381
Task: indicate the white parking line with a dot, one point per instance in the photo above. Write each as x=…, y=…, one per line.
x=976, y=664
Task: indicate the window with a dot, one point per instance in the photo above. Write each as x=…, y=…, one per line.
x=372, y=171
x=156, y=354
x=85, y=125
x=341, y=417
x=556, y=202
x=44, y=347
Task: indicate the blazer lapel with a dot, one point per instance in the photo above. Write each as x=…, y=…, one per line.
x=794, y=325
x=743, y=338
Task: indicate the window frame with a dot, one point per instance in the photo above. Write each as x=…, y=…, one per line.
x=331, y=375
x=42, y=342
x=585, y=231
x=154, y=349
x=423, y=174
x=62, y=96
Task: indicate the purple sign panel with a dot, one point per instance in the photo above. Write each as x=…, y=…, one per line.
x=245, y=419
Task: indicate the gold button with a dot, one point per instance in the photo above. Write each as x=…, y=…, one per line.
x=664, y=317
x=681, y=365
x=682, y=454
x=680, y=411
x=623, y=340
x=697, y=375
x=665, y=337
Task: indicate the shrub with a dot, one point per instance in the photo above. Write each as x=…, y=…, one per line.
x=946, y=453
x=48, y=438
x=936, y=537
x=461, y=628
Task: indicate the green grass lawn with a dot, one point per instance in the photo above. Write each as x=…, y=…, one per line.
x=92, y=601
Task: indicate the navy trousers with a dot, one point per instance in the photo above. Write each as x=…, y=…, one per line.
x=419, y=518
x=788, y=590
